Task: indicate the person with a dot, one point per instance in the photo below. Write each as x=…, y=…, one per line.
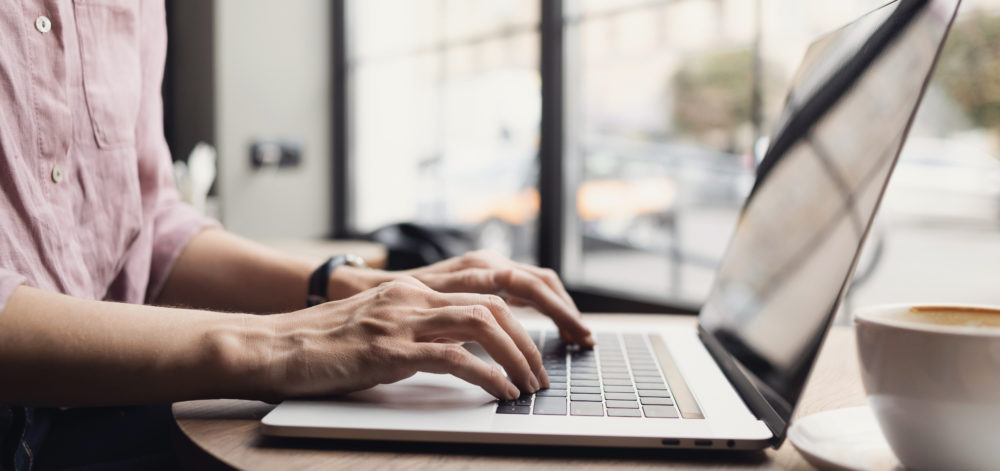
x=114, y=293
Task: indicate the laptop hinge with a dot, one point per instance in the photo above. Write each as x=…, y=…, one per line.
x=750, y=393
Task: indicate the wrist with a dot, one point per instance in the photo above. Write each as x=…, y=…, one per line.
x=347, y=280
x=242, y=351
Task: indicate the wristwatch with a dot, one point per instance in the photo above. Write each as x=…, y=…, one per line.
x=319, y=282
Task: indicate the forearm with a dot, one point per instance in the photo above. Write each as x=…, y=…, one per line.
x=221, y=271
x=61, y=351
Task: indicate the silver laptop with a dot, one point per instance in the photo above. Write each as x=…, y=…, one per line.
x=732, y=382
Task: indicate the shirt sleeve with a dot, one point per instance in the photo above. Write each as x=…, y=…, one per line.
x=174, y=223
x=9, y=281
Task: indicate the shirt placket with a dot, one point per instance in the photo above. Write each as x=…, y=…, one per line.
x=46, y=61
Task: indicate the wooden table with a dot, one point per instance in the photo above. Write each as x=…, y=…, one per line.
x=223, y=433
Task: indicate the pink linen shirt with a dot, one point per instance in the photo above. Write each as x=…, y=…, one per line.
x=88, y=205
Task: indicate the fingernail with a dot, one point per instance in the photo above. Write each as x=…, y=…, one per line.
x=545, y=378
x=512, y=392
x=588, y=341
x=533, y=382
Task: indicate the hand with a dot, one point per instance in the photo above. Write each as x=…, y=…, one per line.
x=482, y=272
x=520, y=284
x=391, y=332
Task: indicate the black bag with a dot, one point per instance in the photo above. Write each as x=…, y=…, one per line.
x=411, y=245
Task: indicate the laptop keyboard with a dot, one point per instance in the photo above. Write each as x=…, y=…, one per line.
x=618, y=378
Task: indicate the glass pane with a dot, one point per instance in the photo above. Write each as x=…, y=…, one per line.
x=663, y=132
x=659, y=128
x=447, y=134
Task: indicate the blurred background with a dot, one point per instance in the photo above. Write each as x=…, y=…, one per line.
x=614, y=140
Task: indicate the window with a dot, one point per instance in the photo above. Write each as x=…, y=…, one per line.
x=659, y=126
x=444, y=117
x=662, y=110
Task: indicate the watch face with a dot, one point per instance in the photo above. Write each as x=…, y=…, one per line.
x=355, y=260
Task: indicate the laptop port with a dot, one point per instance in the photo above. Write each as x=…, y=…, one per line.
x=670, y=441
x=702, y=443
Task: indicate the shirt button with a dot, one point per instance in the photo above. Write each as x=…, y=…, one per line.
x=43, y=24
x=57, y=173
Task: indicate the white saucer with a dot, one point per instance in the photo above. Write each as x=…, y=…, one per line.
x=843, y=439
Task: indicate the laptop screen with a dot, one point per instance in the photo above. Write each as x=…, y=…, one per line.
x=817, y=191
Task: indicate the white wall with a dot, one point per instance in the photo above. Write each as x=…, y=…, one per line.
x=273, y=82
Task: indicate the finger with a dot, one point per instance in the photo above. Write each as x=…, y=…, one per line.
x=520, y=302
x=476, y=322
x=508, y=323
x=456, y=360
x=521, y=284
x=550, y=278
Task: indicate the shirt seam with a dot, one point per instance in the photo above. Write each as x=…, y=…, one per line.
x=28, y=56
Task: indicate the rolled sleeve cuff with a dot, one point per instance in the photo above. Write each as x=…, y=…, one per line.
x=9, y=281
x=174, y=229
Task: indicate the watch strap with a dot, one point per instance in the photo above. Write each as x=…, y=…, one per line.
x=319, y=281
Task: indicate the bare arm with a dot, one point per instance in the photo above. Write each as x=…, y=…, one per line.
x=222, y=271
x=56, y=350
x=59, y=350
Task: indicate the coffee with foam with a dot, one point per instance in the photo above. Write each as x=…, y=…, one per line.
x=942, y=315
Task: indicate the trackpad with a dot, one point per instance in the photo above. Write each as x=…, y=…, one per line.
x=425, y=391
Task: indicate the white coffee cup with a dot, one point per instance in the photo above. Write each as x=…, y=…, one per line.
x=933, y=382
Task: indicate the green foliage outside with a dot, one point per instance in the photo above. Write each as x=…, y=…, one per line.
x=713, y=95
x=970, y=69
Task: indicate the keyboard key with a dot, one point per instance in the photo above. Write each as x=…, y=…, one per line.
x=667, y=412
x=553, y=384
x=622, y=404
x=586, y=408
x=616, y=374
x=654, y=393
x=648, y=378
x=513, y=409
x=585, y=376
x=655, y=401
x=524, y=400
x=619, y=389
x=550, y=406
x=584, y=383
x=650, y=385
x=551, y=393
x=617, y=381
x=586, y=397
x=620, y=396
x=645, y=370
x=624, y=413
x=585, y=390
